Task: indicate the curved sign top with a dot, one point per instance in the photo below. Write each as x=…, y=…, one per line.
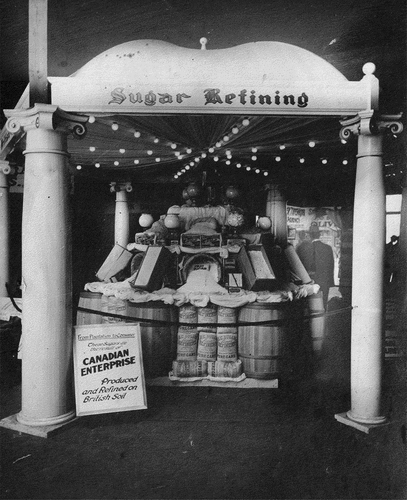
x=273, y=78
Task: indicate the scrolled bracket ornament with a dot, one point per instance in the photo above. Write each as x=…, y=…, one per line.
x=350, y=126
x=390, y=123
x=71, y=123
x=369, y=123
x=361, y=124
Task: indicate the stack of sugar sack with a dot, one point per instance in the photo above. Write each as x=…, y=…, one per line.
x=226, y=365
x=187, y=365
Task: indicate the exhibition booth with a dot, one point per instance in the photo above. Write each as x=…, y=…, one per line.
x=218, y=290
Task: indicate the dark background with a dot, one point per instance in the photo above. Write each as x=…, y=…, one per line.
x=346, y=33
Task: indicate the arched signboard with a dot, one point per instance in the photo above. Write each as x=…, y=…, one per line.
x=154, y=77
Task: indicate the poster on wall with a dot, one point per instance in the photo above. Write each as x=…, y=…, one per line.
x=108, y=365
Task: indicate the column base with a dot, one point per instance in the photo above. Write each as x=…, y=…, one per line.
x=43, y=431
x=365, y=427
x=43, y=422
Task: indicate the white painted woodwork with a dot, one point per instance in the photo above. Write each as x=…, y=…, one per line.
x=121, y=224
x=367, y=282
x=47, y=389
x=276, y=209
x=4, y=231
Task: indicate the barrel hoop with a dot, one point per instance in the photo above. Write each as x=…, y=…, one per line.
x=277, y=322
x=248, y=356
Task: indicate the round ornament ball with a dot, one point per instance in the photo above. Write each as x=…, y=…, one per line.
x=235, y=219
x=193, y=190
x=145, y=220
x=232, y=192
x=264, y=223
x=171, y=221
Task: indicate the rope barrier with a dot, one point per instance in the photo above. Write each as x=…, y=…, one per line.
x=276, y=322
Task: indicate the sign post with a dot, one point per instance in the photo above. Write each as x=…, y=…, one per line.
x=108, y=364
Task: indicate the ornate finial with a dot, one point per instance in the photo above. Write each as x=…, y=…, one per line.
x=203, y=41
x=369, y=68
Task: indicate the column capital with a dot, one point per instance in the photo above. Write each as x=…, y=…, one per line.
x=45, y=116
x=370, y=123
x=116, y=187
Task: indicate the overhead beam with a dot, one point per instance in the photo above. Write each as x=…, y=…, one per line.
x=38, y=52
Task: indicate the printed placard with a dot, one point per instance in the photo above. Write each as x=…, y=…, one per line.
x=108, y=364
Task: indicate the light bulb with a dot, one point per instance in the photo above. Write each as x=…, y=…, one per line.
x=345, y=162
x=226, y=138
x=177, y=153
x=227, y=162
x=116, y=163
x=156, y=140
x=173, y=145
x=203, y=155
x=191, y=163
x=245, y=122
x=265, y=174
x=278, y=158
x=254, y=150
x=248, y=168
x=92, y=119
x=158, y=159
x=97, y=165
x=189, y=150
x=211, y=150
x=282, y=147
x=238, y=165
x=175, y=176
x=254, y=158
x=136, y=162
x=215, y=158
x=115, y=126
x=218, y=144
x=92, y=148
x=183, y=170
x=302, y=160
x=149, y=152
x=122, y=151
x=324, y=161
x=187, y=167
x=137, y=134
x=311, y=144
x=343, y=141
x=235, y=130
x=257, y=171
x=78, y=167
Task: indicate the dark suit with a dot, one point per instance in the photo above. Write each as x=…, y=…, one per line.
x=318, y=260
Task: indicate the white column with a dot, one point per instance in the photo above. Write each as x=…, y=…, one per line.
x=4, y=228
x=276, y=209
x=367, y=274
x=121, y=221
x=47, y=382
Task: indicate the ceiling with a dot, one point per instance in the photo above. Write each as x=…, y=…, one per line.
x=347, y=34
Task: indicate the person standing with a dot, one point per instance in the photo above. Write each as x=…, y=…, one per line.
x=318, y=260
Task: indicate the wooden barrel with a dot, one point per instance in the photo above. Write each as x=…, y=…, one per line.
x=315, y=315
x=158, y=340
x=89, y=300
x=262, y=348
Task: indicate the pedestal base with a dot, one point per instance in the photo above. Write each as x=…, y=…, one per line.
x=248, y=383
x=366, y=428
x=40, y=431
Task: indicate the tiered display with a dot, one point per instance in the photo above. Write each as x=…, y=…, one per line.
x=207, y=264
